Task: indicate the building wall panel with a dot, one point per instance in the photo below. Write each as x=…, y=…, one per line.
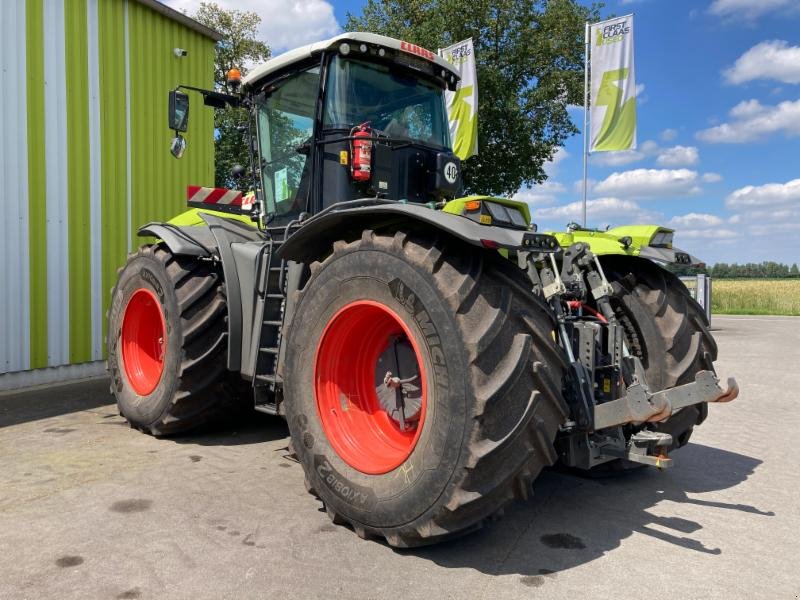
x=37, y=168
x=56, y=182
x=114, y=142
x=79, y=184
x=84, y=160
x=14, y=271
x=158, y=181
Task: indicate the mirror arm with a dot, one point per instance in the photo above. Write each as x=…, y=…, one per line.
x=215, y=99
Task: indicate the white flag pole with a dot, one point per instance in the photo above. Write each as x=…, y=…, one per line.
x=585, y=114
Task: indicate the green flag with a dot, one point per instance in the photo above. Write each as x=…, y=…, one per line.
x=613, y=89
x=462, y=105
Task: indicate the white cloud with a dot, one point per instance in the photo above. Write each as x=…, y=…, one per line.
x=780, y=222
x=543, y=193
x=598, y=209
x=625, y=157
x=678, y=156
x=648, y=183
x=771, y=59
x=641, y=97
x=575, y=108
x=695, y=220
x=668, y=135
x=711, y=177
x=702, y=232
x=770, y=194
x=708, y=234
x=771, y=229
x=551, y=166
x=747, y=9
x=752, y=121
x=616, y=159
x=285, y=24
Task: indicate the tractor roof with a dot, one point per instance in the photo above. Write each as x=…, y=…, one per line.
x=304, y=52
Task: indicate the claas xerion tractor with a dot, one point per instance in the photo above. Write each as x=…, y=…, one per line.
x=430, y=353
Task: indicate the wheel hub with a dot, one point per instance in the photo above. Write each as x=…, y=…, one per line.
x=370, y=387
x=143, y=341
x=397, y=383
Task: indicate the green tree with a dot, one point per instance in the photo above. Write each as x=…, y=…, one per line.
x=529, y=56
x=794, y=271
x=239, y=48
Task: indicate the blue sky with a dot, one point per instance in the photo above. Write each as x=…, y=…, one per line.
x=718, y=153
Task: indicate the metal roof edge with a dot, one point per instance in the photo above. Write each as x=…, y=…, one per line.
x=303, y=52
x=181, y=18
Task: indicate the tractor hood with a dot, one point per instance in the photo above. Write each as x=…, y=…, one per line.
x=648, y=241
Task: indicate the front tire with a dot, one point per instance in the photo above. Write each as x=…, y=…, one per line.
x=167, y=343
x=489, y=395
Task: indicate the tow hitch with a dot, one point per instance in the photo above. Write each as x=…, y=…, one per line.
x=640, y=405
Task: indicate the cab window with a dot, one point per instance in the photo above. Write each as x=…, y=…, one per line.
x=285, y=130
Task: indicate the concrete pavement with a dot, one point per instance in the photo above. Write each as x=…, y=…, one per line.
x=92, y=509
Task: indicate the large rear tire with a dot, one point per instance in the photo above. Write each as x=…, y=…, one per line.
x=667, y=329
x=167, y=343
x=487, y=401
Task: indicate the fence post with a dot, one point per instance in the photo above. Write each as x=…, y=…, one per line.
x=703, y=294
x=699, y=287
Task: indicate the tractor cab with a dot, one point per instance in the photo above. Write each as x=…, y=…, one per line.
x=357, y=116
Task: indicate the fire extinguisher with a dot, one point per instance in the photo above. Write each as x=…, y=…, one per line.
x=361, y=166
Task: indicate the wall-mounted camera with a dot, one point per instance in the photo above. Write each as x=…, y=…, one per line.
x=179, y=52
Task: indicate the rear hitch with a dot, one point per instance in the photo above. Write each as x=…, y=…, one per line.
x=605, y=387
x=646, y=447
x=640, y=405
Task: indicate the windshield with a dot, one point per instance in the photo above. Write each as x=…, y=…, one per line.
x=393, y=101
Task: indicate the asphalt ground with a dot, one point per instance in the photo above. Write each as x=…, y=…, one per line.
x=90, y=508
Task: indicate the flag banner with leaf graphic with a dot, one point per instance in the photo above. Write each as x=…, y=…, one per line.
x=462, y=105
x=613, y=89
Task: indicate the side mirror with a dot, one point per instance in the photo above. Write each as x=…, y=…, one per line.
x=178, y=146
x=178, y=111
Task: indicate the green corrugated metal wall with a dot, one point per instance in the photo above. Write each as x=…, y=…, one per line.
x=93, y=120
x=37, y=213
x=114, y=138
x=161, y=192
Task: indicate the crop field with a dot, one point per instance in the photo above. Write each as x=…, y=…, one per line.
x=756, y=296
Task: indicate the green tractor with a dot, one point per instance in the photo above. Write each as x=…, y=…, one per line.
x=431, y=354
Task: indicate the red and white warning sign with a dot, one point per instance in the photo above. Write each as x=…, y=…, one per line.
x=196, y=194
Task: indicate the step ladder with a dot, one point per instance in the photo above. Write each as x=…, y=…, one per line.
x=270, y=308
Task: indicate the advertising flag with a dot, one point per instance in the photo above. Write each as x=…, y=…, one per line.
x=613, y=88
x=462, y=105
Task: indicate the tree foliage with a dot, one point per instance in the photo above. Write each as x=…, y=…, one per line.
x=721, y=270
x=239, y=48
x=529, y=56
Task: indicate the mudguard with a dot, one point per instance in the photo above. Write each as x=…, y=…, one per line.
x=316, y=236
x=216, y=239
x=187, y=241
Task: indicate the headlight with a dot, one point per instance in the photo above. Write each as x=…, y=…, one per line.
x=506, y=214
x=498, y=212
x=662, y=239
x=517, y=218
x=494, y=213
